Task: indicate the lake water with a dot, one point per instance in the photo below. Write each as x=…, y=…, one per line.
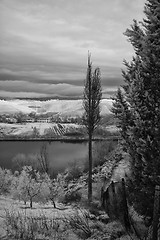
x=60, y=154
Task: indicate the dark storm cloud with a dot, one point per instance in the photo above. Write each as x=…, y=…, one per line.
x=47, y=89
x=44, y=44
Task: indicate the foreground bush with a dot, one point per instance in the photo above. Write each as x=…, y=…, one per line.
x=5, y=180
x=24, y=227
x=101, y=150
x=71, y=195
x=73, y=172
x=30, y=186
x=73, y=225
x=80, y=224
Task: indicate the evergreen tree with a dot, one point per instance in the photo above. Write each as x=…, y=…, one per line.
x=137, y=106
x=91, y=117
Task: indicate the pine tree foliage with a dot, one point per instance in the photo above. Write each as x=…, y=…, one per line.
x=137, y=106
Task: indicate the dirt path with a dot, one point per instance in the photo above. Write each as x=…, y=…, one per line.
x=121, y=170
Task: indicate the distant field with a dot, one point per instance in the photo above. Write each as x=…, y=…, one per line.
x=28, y=129
x=62, y=107
x=46, y=130
x=69, y=108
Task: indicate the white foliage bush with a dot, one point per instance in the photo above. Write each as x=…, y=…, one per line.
x=5, y=180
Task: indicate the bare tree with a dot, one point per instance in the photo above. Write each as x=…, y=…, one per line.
x=91, y=117
x=27, y=185
x=43, y=159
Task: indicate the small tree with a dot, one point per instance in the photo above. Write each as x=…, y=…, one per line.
x=35, y=133
x=5, y=180
x=57, y=187
x=44, y=194
x=73, y=171
x=20, y=117
x=28, y=185
x=91, y=117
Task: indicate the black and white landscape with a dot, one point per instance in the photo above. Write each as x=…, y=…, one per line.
x=79, y=119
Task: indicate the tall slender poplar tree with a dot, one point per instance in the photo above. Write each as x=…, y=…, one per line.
x=91, y=117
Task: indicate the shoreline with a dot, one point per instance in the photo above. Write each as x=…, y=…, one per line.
x=113, y=138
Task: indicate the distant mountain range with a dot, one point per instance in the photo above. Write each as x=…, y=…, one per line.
x=61, y=107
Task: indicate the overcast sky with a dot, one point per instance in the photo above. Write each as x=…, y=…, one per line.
x=44, y=44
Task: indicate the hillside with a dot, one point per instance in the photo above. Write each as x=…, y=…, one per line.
x=72, y=218
x=62, y=107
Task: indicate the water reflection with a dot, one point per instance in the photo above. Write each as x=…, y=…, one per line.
x=60, y=154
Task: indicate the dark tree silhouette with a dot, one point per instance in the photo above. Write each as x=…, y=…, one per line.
x=137, y=107
x=91, y=117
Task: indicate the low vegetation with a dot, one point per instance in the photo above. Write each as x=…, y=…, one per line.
x=76, y=226
x=21, y=226
x=46, y=208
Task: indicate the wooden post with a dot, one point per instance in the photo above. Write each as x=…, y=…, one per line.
x=156, y=213
x=115, y=212
x=125, y=206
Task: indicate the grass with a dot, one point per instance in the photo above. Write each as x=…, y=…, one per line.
x=79, y=222
x=21, y=226
x=17, y=218
x=68, y=222
x=46, y=223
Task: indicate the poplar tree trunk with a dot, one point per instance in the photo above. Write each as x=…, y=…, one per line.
x=90, y=168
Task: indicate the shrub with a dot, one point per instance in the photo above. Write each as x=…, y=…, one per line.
x=102, y=132
x=35, y=133
x=95, y=207
x=71, y=195
x=30, y=185
x=101, y=150
x=80, y=224
x=21, y=226
x=5, y=180
x=73, y=172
